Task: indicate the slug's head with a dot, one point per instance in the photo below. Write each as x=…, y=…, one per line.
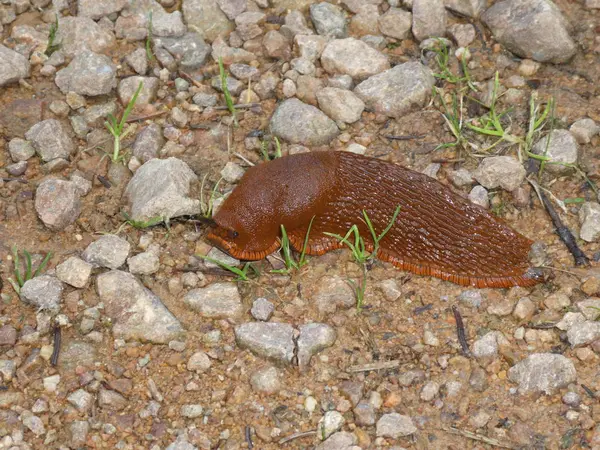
x=247, y=224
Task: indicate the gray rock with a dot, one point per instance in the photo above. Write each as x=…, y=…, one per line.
x=429, y=391
x=244, y=72
x=96, y=115
x=216, y=301
x=590, y=308
x=397, y=91
x=331, y=292
x=295, y=25
x=487, y=346
x=268, y=340
x=262, y=309
x=205, y=100
x=310, y=47
x=145, y=263
x=138, y=61
x=13, y=66
x=230, y=55
x=276, y=45
x=96, y=10
x=395, y=23
x=364, y=414
x=331, y=422
x=8, y=368
x=79, y=430
x=109, y=251
x=543, y=372
x=299, y=123
x=74, y=271
x=88, y=74
x=342, y=440
x=428, y=19
x=199, y=362
x=479, y=196
x=160, y=188
x=314, y=337
x=548, y=41
x=50, y=140
x=584, y=130
x=137, y=313
x=17, y=169
x=562, y=148
x=57, y=203
x=132, y=24
x=463, y=34
x=365, y=22
x=111, y=400
x=341, y=105
x=500, y=171
x=583, y=333
x=353, y=57
x=395, y=425
x=356, y=5
x=128, y=86
x=148, y=143
x=232, y=8
x=190, y=50
x=303, y=66
x=469, y=8
x=571, y=399
x=589, y=218
x=20, y=149
x=44, y=292
x=82, y=400
x=524, y=309
x=77, y=34
x=461, y=177
x=191, y=411
x=234, y=86
x=267, y=380
x=329, y=20
x=205, y=17
x=8, y=335
x=33, y=423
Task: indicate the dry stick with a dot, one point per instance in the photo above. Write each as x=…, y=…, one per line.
x=588, y=391
x=296, y=436
x=238, y=106
x=460, y=330
x=248, y=435
x=564, y=233
x=56, y=351
x=393, y=364
x=477, y=437
x=404, y=137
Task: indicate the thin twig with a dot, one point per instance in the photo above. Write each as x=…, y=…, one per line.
x=588, y=391
x=404, y=137
x=382, y=365
x=477, y=437
x=296, y=436
x=104, y=181
x=248, y=434
x=147, y=116
x=189, y=78
x=563, y=232
x=56, y=351
x=20, y=180
x=460, y=330
x=238, y=106
x=250, y=163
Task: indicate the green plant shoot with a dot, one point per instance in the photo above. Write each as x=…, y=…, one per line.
x=115, y=127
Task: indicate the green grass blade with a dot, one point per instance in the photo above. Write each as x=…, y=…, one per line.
x=43, y=264
x=130, y=107
x=241, y=273
x=17, y=268
x=226, y=93
x=302, y=260
x=27, y=265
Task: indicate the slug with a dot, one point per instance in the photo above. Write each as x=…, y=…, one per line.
x=437, y=232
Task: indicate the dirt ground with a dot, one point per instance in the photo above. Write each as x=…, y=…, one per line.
x=385, y=330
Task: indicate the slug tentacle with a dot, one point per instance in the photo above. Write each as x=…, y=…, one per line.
x=436, y=233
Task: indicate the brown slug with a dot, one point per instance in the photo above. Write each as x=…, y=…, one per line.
x=436, y=233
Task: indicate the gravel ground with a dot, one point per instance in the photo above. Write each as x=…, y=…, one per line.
x=125, y=339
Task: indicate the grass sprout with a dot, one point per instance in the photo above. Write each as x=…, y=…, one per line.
x=286, y=250
x=226, y=93
x=241, y=273
x=52, y=45
x=442, y=59
x=142, y=224
x=264, y=148
x=149, y=53
x=116, y=127
x=21, y=278
x=356, y=243
x=206, y=206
